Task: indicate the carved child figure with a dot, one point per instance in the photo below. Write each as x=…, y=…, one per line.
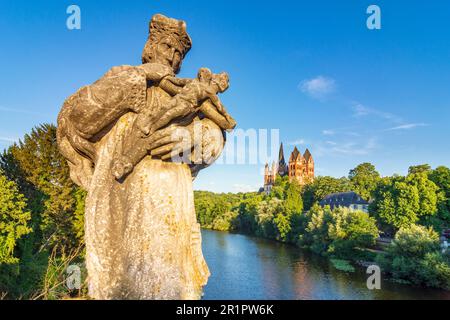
x=186, y=100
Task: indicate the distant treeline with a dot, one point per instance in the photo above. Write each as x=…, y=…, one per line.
x=413, y=209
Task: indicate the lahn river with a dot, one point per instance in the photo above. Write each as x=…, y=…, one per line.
x=244, y=267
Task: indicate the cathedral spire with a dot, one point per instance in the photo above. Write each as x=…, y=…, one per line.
x=281, y=155
x=282, y=168
x=307, y=154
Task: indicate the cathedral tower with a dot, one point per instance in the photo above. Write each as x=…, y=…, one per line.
x=282, y=167
x=300, y=168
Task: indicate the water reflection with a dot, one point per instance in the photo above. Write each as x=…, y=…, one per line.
x=245, y=267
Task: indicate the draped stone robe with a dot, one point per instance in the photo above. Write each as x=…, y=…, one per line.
x=142, y=237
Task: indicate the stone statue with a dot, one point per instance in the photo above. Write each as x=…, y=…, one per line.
x=135, y=139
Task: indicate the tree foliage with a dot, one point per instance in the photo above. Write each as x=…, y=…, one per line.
x=364, y=179
x=402, y=201
x=13, y=219
x=339, y=232
x=217, y=210
x=421, y=168
x=43, y=175
x=323, y=186
x=441, y=177
x=414, y=257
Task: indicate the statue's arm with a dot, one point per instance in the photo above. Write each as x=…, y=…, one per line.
x=155, y=72
x=169, y=86
x=181, y=82
x=221, y=118
x=216, y=102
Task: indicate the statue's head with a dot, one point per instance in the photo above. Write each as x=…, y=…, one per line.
x=222, y=81
x=204, y=75
x=168, y=42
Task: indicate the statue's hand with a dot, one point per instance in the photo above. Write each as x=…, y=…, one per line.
x=156, y=71
x=199, y=151
x=121, y=167
x=144, y=125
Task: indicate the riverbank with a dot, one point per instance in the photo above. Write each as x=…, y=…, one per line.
x=414, y=256
x=249, y=267
x=355, y=264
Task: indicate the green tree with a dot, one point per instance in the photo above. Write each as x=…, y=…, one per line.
x=402, y=201
x=225, y=222
x=279, y=187
x=323, y=186
x=351, y=231
x=317, y=236
x=395, y=204
x=13, y=219
x=340, y=233
x=78, y=224
x=267, y=210
x=441, y=177
x=419, y=169
x=43, y=175
x=248, y=212
x=282, y=222
x=364, y=179
x=293, y=198
x=218, y=211
x=427, y=190
x=414, y=257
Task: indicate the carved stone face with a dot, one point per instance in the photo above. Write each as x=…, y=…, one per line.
x=204, y=75
x=167, y=51
x=222, y=81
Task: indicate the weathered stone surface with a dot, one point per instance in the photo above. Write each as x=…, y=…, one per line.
x=142, y=234
x=134, y=140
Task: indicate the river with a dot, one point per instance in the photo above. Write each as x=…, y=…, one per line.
x=244, y=267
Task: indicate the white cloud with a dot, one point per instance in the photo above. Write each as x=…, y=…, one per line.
x=353, y=134
x=328, y=132
x=350, y=148
x=318, y=87
x=360, y=110
x=407, y=126
x=297, y=142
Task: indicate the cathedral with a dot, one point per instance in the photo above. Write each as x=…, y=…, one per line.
x=300, y=168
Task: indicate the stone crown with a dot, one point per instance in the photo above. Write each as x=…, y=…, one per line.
x=162, y=26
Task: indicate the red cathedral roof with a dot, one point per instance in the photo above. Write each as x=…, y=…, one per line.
x=295, y=155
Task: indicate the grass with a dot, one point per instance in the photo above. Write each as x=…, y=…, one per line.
x=53, y=286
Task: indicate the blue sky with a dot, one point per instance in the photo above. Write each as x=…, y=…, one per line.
x=311, y=69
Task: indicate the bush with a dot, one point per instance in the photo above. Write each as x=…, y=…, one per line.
x=414, y=256
x=350, y=231
x=339, y=233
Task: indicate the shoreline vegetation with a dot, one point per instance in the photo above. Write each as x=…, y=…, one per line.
x=42, y=220
x=411, y=210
